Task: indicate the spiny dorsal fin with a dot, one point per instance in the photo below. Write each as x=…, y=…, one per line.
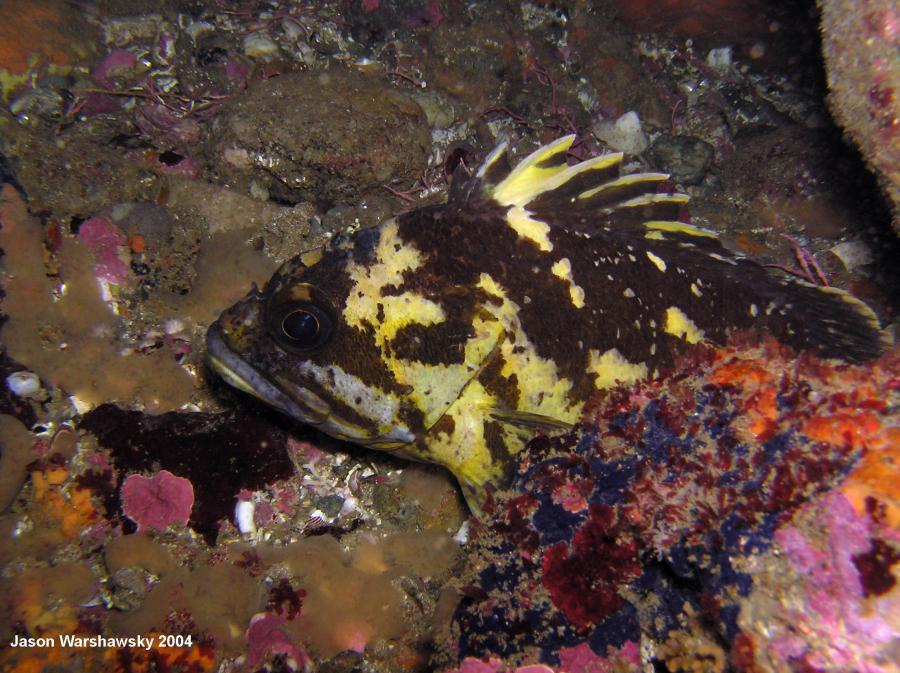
x=495, y=166
x=543, y=181
x=530, y=175
x=634, y=213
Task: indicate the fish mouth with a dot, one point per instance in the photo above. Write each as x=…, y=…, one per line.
x=236, y=372
x=295, y=401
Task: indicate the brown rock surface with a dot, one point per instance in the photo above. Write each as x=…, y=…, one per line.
x=323, y=135
x=861, y=44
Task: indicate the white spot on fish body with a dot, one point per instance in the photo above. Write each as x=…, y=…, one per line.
x=374, y=404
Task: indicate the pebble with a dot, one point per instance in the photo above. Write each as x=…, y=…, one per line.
x=462, y=535
x=853, y=254
x=24, y=384
x=720, y=58
x=685, y=158
x=259, y=46
x=623, y=134
x=243, y=517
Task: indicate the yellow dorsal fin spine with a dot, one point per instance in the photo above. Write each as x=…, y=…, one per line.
x=625, y=181
x=675, y=227
x=496, y=154
x=530, y=176
x=649, y=200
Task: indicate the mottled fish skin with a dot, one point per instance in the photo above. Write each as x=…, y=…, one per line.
x=449, y=333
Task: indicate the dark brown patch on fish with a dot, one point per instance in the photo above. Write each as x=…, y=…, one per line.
x=506, y=389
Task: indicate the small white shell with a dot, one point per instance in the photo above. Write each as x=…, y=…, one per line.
x=24, y=383
x=243, y=517
x=259, y=46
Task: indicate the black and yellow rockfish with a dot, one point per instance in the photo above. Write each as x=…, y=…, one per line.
x=449, y=333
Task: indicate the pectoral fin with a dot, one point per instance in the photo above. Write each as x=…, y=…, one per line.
x=526, y=421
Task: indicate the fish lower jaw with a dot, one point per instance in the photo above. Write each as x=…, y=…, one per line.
x=331, y=423
x=237, y=373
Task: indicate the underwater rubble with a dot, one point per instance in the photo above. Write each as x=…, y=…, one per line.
x=739, y=513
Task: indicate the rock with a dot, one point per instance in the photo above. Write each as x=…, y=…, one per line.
x=686, y=158
x=260, y=46
x=57, y=184
x=853, y=254
x=318, y=136
x=860, y=41
x=623, y=134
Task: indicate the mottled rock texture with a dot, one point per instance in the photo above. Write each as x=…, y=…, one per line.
x=860, y=43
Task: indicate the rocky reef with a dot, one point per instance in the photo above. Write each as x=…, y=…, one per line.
x=738, y=513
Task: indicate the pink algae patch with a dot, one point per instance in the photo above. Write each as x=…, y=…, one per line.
x=582, y=659
x=106, y=241
x=823, y=617
x=267, y=638
x=157, y=502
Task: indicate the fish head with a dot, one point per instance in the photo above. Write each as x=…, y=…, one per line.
x=355, y=341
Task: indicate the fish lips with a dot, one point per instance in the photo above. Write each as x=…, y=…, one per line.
x=235, y=371
x=301, y=405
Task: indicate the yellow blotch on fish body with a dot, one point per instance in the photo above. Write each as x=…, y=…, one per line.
x=679, y=325
x=611, y=367
x=528, y=227
x=541, y=389
x=393, y=257
x=436, y=386
x=433, y=387
x=461, y=447
x=312, y=257
x=563, y=269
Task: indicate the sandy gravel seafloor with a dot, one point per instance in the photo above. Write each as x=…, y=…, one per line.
x=158, y=158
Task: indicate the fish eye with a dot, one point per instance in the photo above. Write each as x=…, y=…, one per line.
x=300, y=318
x=301, y=326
